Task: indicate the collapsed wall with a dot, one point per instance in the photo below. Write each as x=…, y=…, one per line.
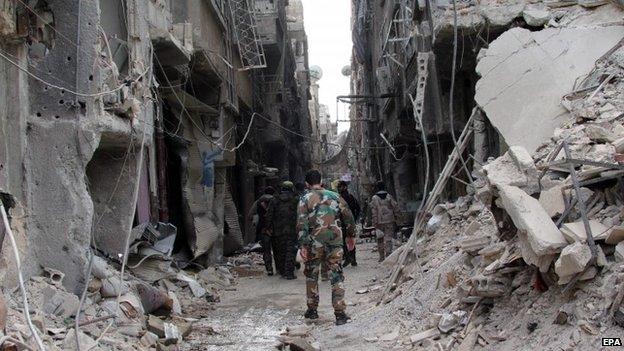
x=509, y=266
x=51, y=133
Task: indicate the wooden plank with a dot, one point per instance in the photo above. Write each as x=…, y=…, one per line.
x=420, y=220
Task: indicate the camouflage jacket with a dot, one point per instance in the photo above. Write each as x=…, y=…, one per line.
x=384, y=209
x=283, y=213
x=321, y=217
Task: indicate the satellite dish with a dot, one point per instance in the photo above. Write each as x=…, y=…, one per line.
x=316, y=72
x=346, y=71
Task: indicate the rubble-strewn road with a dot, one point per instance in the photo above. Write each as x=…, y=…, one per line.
x=253, y=316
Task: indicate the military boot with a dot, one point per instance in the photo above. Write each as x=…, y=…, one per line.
x=341, y=318
x=311, y=314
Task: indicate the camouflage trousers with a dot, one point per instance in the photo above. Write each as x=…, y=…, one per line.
x=332, y=256
x=385, y=244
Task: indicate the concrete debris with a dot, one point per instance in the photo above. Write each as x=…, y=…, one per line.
x=540, y=67
x=552, y=201
x=576, y=231
x=196, y=288
x=3, y=312
x=536, y=17
x=430, y=333
x=616, y=235
x=511, y=170
x=86, y=342
x=573, y=259
x=299, y=330
x=528, y=215
x=172, y=334
x=490, y=286
x=391, y=336
x=59, y=303
x=296, y=344
x=112, y=287
x=450, y=321
x=474, y=244
x=619, y=252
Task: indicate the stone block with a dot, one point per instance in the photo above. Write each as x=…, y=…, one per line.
x=536, y=17
x=616, y=235
x=619, y=252
x=525, y=74
x=552, y=201
x=573, y=259
x=542, y=262
x=528, y=215
x=575, y=231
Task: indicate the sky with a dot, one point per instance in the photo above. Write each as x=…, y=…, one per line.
x=328, y=26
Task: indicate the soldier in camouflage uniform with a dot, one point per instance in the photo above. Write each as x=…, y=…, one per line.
x=321, y=217
x=384, y=215
x=283, y=215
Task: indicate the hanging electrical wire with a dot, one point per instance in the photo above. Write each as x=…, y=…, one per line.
x=451, y=93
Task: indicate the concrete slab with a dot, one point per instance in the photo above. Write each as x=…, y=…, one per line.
x=537, y=67
x=530, y=257
x=619, y=252
x=576, y=231
x=573, y=259
x=616, y=235
x=552, y=201
x=527, y=214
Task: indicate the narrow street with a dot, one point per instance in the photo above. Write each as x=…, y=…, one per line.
x=155, y=154
x=259, y=309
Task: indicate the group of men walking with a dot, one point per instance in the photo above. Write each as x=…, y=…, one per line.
x=320, y=224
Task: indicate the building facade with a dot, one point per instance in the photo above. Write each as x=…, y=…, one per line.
x=118, y=114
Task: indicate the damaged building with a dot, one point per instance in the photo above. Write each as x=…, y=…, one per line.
x=127, y=117
x=505, y=56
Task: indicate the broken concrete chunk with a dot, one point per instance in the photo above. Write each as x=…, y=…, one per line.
x=616, y=235
x=590, y=273
x=156, y=326
x=100, y=268
x=522, y=158
x=573, y=259
x=528, y=215
x=576, y=231
x=196, y=288
x=592, y=3
x=450, y=321
x=112, y=287
x=490, y=286
x=59, y=302
x=552, y=201
x=540, y=67
x=430, y=333
x=542, y=262
x=599, y=134
x=536, y=17
x=505, y=170
x=86, y=342
x=618, y=145
x=149, y=339
x=172, y=334
x=474, y=244
x=619, y=252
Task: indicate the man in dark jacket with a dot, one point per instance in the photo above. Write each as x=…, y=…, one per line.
x=354, y=206
x=264, y=228
x=283, y=216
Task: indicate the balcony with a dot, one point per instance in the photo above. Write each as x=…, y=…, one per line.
x=173, y=44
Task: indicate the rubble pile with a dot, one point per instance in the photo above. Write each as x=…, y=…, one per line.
x=128, y=314
x=510, y=265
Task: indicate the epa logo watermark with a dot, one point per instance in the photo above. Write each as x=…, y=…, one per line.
x=611, y=342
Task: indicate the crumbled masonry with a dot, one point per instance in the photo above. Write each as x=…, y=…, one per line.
x=135, y=141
